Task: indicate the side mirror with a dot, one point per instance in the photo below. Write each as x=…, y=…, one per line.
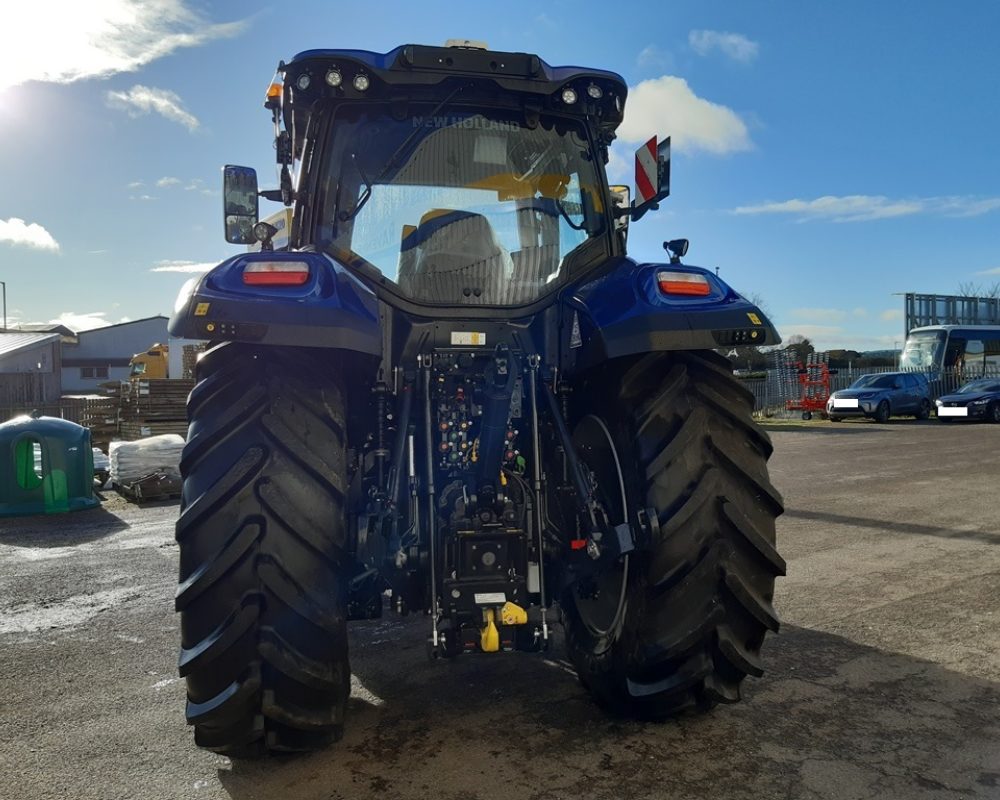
x=678, y=248
x=621, y=199
x=240, y=203
x=652, y=176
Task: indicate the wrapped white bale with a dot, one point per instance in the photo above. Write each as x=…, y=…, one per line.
x=133, y=460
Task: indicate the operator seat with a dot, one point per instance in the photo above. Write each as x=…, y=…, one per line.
x=453, y=257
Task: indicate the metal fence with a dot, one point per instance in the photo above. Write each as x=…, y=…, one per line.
x=772, y=392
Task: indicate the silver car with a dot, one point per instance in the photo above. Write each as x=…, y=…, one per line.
x=878, y=397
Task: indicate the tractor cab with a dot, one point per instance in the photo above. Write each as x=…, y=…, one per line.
x=449, y=176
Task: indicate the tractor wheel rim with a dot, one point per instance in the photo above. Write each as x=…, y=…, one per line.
x=596, y=448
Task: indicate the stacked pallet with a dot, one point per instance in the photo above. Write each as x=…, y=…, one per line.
x=191, y=354
x=99, y=413
x=155, y=407
x=148, y=469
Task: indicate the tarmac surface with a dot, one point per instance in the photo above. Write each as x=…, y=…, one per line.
x=883, y=683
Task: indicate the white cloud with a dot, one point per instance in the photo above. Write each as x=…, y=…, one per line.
x=142, y=197
x=735, y=45
x=891, y=314
x=863, y=208
x=184, y=266
x=860, y=312
x=136, y=185
x=71, y=41
x=967, y=206
x=141, y=100
x=819, y=314
x=167, y=181
x=16, y=231
x=853, y=208
x=652, y=57
x=808, y=330
x=193, y=184
x=85, y=321
x=994, y=271
x=667, y=105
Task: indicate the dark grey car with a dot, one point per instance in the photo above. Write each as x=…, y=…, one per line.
x=881, y=396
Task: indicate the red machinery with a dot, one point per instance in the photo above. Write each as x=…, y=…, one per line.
x=814, y=388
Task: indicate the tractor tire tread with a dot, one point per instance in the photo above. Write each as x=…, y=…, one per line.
x=263, y=505
x=701, y=600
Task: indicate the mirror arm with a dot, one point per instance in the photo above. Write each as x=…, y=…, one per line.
x=638, y=212
x=287, y=194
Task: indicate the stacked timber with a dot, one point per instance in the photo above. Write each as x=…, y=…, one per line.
x=191, y=355
x=99, y=413
x=155, y=407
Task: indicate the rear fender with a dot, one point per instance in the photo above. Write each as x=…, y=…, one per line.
x=623, y=313
x=331, y=309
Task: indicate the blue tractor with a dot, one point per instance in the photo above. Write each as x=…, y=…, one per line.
x=453, y=392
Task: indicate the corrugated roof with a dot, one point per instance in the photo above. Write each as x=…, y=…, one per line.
x=46, y=327
x=121, y=324
x=11, y=342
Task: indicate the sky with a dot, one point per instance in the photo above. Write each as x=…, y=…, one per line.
x=826, y=156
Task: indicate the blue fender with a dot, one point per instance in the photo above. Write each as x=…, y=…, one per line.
x=331, y=308
x=624, y=312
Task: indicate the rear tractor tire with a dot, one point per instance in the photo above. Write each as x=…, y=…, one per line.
x=698, y=597
x=262, y=534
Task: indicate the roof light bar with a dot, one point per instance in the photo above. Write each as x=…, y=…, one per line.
x=690, y=284
x=276, y=273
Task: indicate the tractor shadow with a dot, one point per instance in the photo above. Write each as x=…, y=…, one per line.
x=60, y=530
x=831, y=718
x=845, y=427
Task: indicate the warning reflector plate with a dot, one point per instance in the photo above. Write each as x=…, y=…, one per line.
x=646, y=172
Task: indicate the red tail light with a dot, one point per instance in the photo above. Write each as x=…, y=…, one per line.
x=276, y=273
x=683, y=283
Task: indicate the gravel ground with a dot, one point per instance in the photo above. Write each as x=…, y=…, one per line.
x=884, y=682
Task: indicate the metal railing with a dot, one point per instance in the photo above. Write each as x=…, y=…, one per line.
x=771, y=392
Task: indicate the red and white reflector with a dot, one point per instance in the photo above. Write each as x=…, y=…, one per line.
x=690, y=284
x=276, y=273
x=647, y=174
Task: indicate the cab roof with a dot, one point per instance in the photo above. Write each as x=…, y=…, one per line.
x=424, y=73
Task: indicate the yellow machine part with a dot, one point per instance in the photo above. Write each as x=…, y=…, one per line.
x=513, y=614
x=489, y=636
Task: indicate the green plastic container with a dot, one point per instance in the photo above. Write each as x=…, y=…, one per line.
x=46, y=467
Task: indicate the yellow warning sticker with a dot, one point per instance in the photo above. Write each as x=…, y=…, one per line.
x=468, y=338
x=754, y=318
x=201, y=309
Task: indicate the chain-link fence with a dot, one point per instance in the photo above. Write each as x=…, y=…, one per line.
x=773, y=390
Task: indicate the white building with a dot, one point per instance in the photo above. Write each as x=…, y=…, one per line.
x=103, y=354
